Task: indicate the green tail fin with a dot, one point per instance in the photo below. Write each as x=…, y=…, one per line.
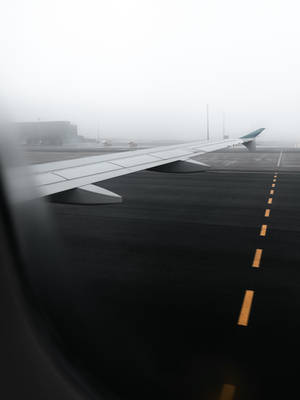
x=253, y=134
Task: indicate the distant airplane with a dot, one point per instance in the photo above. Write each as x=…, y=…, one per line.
x=132, y=144
x=72, y=181
x=106, y=142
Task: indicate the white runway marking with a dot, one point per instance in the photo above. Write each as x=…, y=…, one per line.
x=279, y=160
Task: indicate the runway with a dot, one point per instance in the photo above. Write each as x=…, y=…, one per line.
x=191, y=287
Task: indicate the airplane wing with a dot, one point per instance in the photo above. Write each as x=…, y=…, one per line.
x=73, y=180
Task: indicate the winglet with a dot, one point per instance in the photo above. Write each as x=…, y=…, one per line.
x=252, y=135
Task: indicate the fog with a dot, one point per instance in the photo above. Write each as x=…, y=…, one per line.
x=146, y=69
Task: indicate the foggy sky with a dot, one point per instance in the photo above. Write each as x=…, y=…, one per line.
x=146, y=69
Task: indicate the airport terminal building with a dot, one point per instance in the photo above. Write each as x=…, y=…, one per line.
x=47, y=133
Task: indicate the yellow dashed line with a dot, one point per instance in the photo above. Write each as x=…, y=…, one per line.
x=227, y=392
x=257, y=257
x=246, y=308
x=263, y=230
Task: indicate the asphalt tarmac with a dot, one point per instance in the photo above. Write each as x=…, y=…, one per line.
x=160, y=296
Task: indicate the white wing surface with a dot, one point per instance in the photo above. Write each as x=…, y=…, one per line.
x=57, y=177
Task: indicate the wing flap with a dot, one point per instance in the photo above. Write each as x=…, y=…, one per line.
x=86, y=170
x=135, y=160
x=47, y=178
x=172, y=153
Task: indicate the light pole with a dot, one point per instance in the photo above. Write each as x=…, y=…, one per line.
x=207, y=122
